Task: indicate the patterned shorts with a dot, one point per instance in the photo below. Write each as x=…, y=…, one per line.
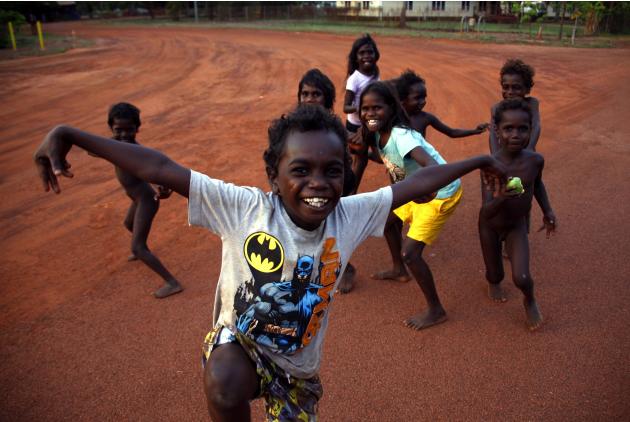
x=286, y=398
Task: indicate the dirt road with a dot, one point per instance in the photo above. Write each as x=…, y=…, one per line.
x=82, y=339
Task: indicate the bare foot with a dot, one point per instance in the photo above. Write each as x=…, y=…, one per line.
x=496, y=293
x=534, y=317
x=391, y=275
x=426, y=320
x=132, y=257
x=167, y=290
x=347, y=280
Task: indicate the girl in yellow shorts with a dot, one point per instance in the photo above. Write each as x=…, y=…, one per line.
x=404, y=151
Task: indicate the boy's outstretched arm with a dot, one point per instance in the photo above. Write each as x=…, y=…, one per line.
x=535, y=134
x=145, y=163
x=455, y=133
x=432, y=178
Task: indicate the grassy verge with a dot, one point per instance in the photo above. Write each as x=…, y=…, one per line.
x=28, y=45
x=490, y=33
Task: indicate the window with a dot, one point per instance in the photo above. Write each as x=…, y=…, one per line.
x=348, y=4
x=409, y=5
x=366, y=5
x=482, y=6
x=465, y=5
x=438, y=5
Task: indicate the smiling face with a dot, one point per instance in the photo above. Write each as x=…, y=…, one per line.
x=375, y=113
x=310, y=176
x=312, y=95
x=124, y=130
x=416, y=100
x=366, y=59
x=513, y=130
x=513, y=86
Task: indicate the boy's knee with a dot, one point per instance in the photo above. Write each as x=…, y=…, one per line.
x=411, y=255
x=139, y=251
x=522, y=280
x=222, y=392
x=494, y=277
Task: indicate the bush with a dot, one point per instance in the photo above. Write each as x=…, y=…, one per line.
x=6, y=16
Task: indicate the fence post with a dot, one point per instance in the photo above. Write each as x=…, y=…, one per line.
x=41, y=37
x=12, y=36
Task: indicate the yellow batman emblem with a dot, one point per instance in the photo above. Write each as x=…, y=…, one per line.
x=263, y=252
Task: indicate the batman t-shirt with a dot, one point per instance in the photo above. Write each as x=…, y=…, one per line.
x=277, y=280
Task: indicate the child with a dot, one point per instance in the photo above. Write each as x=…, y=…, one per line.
x=362, y=70
x=405, y=152
x=282, y=251
x=316, y=88
x=412, y=92
x=517, y=80
x=124, y=122
x=504, y=213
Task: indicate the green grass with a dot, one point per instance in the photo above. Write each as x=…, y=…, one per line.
x=28, y=45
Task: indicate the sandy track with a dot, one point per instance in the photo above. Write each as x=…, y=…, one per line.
x=82, y=339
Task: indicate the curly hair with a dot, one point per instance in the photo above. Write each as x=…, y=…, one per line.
x=353, y=64
x=315, y=77
x=123, y=111
x=518, y=67
x=511, y=104
x=306, y=118
x=405, y=81
x=387, y=92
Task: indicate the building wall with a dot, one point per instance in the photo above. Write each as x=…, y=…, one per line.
x=429, y=9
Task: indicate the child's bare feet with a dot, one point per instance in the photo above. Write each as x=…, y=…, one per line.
x=496, y=293
x=347, y=279
x=534, y=317
x=428, y=319
x=395, y=275
x=132, y=257
x=167, y=290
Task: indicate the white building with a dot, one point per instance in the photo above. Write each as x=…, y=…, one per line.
x=423, y=9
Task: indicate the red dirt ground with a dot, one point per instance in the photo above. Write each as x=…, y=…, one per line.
x=82, y=338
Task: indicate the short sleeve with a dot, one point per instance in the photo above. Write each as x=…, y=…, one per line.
x=218, y=206
x=406, y=141
x=351, y=83
x=366, y=213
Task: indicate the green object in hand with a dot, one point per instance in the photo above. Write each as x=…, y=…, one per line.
x=515, y=184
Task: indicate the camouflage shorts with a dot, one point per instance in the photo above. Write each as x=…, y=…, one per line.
x=286, y=398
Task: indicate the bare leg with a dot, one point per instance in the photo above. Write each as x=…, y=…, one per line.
x=491, y=249
x=393, y=229
x=347, y=279
x=412, y=257
x=359, y=163
x=230, y=381
x=518, y=249
x=146, y=210
x=128, y=223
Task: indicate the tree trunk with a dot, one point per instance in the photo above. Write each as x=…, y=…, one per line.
x=564, y=9
x=402, y=23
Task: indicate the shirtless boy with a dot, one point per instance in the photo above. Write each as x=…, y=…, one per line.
x=124, y=121
x=504, y=211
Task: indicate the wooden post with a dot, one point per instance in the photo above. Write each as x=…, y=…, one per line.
x=41, y=37
x=12, y=35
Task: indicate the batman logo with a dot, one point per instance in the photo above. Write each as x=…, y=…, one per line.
x=264, y=252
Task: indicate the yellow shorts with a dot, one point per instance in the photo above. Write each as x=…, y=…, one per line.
x=426, y=220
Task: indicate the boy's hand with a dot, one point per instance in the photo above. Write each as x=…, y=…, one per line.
x=355, y=141
x=162, y=193
x=50, y=159
x=493, y=176
x=482, y=127
x=549, y=224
